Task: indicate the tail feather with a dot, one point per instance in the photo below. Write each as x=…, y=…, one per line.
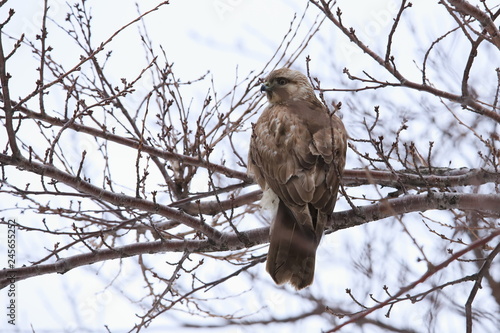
x=292, y=250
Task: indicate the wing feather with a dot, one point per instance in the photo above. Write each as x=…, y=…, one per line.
x=295, y=155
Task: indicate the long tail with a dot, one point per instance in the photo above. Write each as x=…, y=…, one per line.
x=292, y=250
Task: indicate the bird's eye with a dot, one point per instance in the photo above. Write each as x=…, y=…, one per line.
x=282, y=81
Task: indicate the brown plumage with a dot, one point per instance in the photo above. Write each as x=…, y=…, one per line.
x=297, y=151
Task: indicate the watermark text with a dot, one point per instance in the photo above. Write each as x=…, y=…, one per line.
x=11, y=264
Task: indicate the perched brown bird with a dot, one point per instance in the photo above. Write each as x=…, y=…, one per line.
x=297, y=153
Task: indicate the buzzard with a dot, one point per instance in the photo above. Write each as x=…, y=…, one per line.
x=297, y=156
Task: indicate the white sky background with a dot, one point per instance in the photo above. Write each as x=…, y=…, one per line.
x=224, y=37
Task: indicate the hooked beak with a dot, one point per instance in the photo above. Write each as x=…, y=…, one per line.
x=264, y=87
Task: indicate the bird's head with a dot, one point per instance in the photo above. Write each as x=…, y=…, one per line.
x=285, y=85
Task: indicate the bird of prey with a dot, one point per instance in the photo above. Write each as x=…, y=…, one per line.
x=297, y=156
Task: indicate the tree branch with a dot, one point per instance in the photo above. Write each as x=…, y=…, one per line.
x=91, y=55
x=477, y=285
x=430, y=272
x=465, y=7
x=413, y=203
x=232, y=242
x=114, y=198
x=136, y=144
x=7, y=105
x=403, y=81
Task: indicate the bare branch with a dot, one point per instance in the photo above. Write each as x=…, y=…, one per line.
x=485, y=20
x=403, y=81
x=117, y=199
x=477, y=285
x=404, y=290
